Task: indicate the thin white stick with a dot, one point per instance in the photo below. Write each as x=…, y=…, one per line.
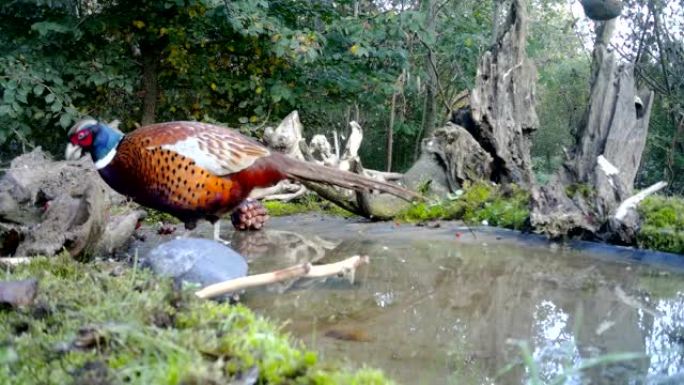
x=347, y=266
x=237, y=284
x=342, y=267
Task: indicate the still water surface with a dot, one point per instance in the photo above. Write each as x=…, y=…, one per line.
x=447, y=306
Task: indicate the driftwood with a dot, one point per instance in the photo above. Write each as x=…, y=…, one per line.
x=583, y=197
x=624, y=225
x=448, y=158
x=306, y=270
x=287, y=138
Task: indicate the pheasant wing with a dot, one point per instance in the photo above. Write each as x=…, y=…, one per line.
x=218, y=150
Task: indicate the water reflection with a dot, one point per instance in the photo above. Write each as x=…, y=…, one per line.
x=445, y=311
x=432, y=308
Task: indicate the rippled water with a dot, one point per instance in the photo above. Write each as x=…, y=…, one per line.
x=446, y=306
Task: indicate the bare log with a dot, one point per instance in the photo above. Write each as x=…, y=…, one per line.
x=305, y=270
x=14, y=261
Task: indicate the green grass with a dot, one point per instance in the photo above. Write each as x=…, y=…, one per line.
x=143, y=331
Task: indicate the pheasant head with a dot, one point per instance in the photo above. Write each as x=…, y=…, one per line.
x=97, y=138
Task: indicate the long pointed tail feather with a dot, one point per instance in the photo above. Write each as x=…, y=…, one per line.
x=312, y=172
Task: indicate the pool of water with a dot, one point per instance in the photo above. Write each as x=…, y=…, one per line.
x=449, y=306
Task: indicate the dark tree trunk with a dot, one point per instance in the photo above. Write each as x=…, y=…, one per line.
x=150, y=63
x=390, y=130
x=427, y=126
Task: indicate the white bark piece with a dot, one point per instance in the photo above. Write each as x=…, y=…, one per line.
x=632, y=202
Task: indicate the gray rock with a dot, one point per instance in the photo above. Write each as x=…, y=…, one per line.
x=196, y=260
x=602, y=10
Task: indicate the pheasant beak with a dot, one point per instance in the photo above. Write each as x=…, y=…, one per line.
x=73, y=152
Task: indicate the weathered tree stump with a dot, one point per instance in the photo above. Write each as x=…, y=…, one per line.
x=587, y=190
x=449, y=158
x=502, y=103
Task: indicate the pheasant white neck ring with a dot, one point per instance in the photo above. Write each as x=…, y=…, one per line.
x=104, y=162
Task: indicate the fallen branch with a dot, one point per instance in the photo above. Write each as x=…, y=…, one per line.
x=306, y=270
x=631, y=202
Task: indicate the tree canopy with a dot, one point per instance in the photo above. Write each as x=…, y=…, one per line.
x=398, y=67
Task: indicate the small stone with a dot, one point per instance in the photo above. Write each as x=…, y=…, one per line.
x=195, y=260
x=18, y=293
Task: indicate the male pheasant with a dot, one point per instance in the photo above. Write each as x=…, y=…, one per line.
x=195, y=170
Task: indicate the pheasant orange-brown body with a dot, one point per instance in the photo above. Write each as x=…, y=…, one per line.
x=161, y=178
x=195, y=170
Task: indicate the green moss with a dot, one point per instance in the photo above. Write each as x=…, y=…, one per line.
x=662, y=224
x=305, y=205
x=663, y=239
x=663, y=212
x=584, y=190
x=143, y=331
x=504, y=207
x=422, y=211
x=155, y=216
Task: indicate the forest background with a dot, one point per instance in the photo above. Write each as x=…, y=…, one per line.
x=397, y=67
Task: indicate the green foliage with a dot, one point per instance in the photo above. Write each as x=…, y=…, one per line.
x=236, y=62
x=127, y=326
x=563, y=86
x=504, y=207
x=663, y=212
x=662, y=225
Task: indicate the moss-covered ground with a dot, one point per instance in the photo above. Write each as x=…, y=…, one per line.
x=307, y=204
x=662, y=225
x=106, y=323
x=506, y=207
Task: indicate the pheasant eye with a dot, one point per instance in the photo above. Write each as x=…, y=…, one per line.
x=82, y=135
